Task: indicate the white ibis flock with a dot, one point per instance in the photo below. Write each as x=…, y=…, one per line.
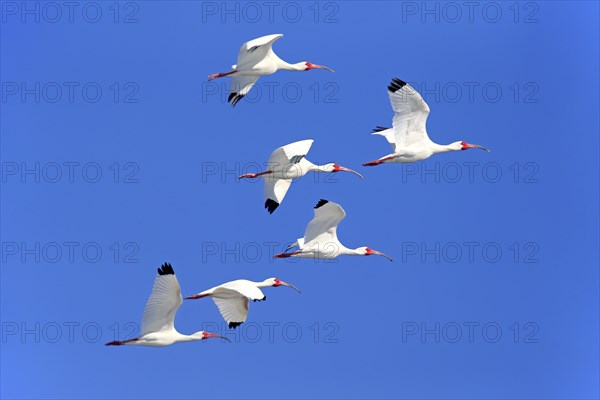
x=410, y=143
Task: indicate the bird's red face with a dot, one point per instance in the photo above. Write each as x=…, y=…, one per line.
x=277, y=282
x=466, y=146
x=310, y=65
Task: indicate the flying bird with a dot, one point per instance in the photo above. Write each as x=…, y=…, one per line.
x=232, y=298
x=255, y=59
x=408, y=136
x=158, y=328
x=320, y=238
x=287, y=163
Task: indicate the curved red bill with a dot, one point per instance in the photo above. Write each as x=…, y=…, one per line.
x=466, y=146
x=290, y=285
x=208, y=335
x=321, y=67
x=340, y=168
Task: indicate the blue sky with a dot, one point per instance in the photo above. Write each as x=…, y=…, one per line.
x=118, y=155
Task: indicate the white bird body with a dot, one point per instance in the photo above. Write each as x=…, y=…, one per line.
x=289, y=161
x=325, y=249
x=232, y=298
x=285, y=164
x=320, y=237
x=256, y=58
x=163, y=338
x=294, y=171
x=158, y=327
x=408, y=135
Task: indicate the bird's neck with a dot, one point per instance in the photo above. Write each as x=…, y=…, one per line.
x=186, y=338
x=301, y=66
x=442, y=148
x=190, y=338
x=359, y=251
x=265, y=283
x=317, y=168
x=346, y=251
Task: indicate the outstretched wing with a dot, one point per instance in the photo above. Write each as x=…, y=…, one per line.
x=244, y=288
x=165, y=300
x=388, y=134
x=234, y=311
x=256, y=50
x=289, y=154
x=239, y=87
x=323, y=227
x=410, y=114
x=232, y=300
x=275, y=190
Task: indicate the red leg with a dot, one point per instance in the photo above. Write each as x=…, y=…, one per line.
x=196, y=296
x=220, y=74
x=120, y=342
x=380, y=161
x=254, y=175
x=286, y=255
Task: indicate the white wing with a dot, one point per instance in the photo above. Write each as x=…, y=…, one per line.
x=255, y=51
x=388, y=134
x=232, y=300
x=275, y=190
x=289, y=154
x=323, y=227
x=234, y=311
x=410, y=114
x=244, y=288
x=240, y=86
x=163, y=303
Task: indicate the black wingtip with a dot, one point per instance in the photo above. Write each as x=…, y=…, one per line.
x=166, y=269
x=321, y=203
x=271, y=205
x=234, y=98
x=234, y=324
x=396, y=85
x=379, y=129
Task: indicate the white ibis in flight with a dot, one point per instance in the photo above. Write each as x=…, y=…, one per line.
x=408, y=136
x=232, y=298
x=320, y=238
x=255, y=59
x=158, y=328
x=287, y=163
